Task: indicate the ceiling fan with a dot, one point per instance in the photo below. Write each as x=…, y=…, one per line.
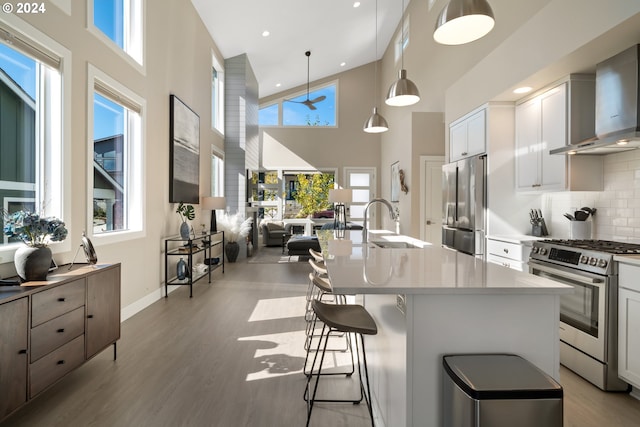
x=309, y=102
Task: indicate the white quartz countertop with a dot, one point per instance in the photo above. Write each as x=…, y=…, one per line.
x=357, y=268
x=628, y=259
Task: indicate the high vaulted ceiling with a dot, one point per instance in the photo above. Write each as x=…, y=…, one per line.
x=333, y=30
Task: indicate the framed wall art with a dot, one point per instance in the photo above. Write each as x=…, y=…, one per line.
x=395, y=182
x=184, y=158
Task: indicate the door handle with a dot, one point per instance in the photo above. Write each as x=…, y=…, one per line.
x=429, y=222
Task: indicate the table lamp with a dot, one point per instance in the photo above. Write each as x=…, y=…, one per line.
x=340, y=196
x=213, y=203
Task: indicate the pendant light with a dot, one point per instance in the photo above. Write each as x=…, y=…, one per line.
x=375, y=123
x=463, y=21
x=403, y=91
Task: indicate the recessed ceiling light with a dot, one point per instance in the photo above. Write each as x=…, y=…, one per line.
x=265, y=33
x=523, y=89
x=278, y=84
x=623, y=142
x=342, y=64
x=356, y=4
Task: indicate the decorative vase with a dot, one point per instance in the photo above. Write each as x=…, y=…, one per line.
x=181, y=269
x=231, y=249
x=32, y=263
x=184, y=230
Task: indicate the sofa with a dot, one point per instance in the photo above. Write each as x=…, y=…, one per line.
x=272, y=233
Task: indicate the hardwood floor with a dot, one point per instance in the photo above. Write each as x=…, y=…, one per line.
x=231, y=356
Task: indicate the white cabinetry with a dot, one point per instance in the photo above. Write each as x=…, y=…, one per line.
x=510, y=251
x=629, y=324
x=552, y=118
x=467, y=135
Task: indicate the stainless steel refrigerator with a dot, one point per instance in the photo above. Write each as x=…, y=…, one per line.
x=464, y=198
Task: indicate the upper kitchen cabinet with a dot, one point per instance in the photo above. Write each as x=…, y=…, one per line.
x=557, y=116
x=467, y=135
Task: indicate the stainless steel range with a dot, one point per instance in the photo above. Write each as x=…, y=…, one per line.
x=588, y=316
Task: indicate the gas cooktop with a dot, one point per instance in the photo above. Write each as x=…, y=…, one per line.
x=607, y=246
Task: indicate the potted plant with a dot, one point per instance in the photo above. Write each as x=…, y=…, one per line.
x=33, y=260
x=234, y=228
x=186, y=212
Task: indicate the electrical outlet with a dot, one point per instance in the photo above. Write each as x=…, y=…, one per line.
x=401, y=303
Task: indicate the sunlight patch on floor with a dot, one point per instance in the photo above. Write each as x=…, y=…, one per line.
x=283, y=354
x=278, y=308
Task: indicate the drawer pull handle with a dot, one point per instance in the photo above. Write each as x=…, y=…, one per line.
x=60, y=362
x=61, y=330
x=63, y=299
x=90, y=316
x=23, y=351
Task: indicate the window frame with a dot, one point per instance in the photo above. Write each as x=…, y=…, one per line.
x=217, y=190
x=217, y=95
x=134, y=50
x=53, y=130
x=136, y=154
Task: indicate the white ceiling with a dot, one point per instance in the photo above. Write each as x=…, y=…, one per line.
x=333, y=30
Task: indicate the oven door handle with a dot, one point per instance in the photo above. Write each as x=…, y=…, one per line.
x=565, y=274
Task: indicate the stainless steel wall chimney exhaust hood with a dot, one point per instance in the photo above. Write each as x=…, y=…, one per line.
x=617, y=107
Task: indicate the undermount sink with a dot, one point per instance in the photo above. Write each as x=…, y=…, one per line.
x=388, y=245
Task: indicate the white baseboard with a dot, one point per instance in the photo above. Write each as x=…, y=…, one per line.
x=635, y=392
x=144, y=302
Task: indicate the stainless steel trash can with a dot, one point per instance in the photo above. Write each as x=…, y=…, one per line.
x=498, y=390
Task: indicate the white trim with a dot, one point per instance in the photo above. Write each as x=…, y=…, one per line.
x=21, y=186
x=220, y=95
x=135, y=168
x=144, y=302
x=63, y=5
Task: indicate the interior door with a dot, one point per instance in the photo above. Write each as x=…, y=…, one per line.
x=362, y=181
x=431, y=195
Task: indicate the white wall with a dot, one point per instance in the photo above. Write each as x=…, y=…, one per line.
x=178, y=61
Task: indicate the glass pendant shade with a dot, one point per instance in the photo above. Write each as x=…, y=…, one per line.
x=463, y=21
x=375, y=123
x=402, y=92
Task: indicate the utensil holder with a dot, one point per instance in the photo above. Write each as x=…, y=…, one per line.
x=580, y=230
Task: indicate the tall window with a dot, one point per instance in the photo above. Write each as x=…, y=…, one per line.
x=121, y=21
x=31, y=127
x=117, y=163
x=217, y=96
x=217, y=175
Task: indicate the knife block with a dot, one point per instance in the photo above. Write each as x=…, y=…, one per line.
x=580, y=230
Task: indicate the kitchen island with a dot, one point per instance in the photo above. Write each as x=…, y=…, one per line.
x=429, y=301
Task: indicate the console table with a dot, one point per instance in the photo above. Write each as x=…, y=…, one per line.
x=52, y=327
x=202, y=243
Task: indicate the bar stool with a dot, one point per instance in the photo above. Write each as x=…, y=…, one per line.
x=317, y=256
x=349, y=319
x=324, y=287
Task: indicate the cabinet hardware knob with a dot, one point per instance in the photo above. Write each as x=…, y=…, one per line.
x=63, y=299
x=61, y=330
x=60, y=362
x=464, y=153
x=506, y=251
x=90, y=316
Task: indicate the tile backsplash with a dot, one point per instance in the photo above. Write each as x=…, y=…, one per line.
x=618, y=206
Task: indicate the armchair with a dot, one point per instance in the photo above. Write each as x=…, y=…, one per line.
x=272, y=233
